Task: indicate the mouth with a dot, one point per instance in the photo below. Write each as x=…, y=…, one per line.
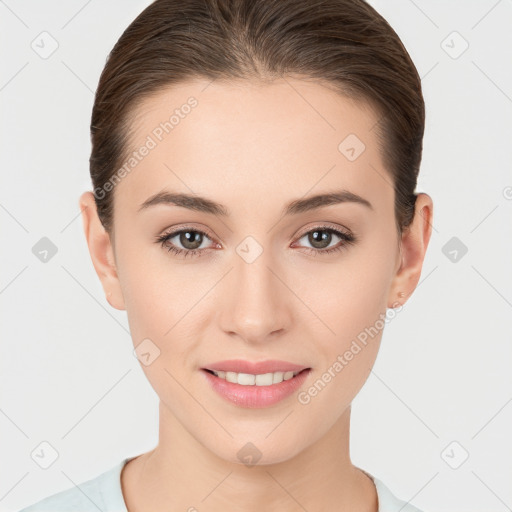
x=261, y=379
x=256, y=390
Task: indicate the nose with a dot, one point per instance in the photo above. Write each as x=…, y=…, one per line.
x=257, y=302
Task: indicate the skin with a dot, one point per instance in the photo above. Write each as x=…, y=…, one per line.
x=254, y=147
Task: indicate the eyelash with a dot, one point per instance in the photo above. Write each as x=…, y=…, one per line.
x=347, y=238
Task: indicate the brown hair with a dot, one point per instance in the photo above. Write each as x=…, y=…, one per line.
x=345, y=43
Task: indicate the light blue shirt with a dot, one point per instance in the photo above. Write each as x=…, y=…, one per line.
x=104, y=493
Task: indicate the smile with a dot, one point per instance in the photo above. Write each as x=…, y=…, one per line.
x=249, y=379
x=255, y=390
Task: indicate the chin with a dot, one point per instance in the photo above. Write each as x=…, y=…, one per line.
x=258, y=452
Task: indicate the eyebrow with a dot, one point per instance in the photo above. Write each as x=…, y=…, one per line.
x=202, y=204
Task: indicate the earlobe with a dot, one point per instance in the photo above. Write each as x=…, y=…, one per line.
x=101, y=251
x=414, y=243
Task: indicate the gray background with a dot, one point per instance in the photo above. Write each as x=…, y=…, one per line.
x=442, y=386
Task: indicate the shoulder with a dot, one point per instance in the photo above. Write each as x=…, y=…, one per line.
x=388, y=502
x=102, y=492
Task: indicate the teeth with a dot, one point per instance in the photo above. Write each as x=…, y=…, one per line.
x=248, y=379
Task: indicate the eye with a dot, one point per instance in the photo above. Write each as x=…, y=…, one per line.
x=190, y=239
x=321, y=237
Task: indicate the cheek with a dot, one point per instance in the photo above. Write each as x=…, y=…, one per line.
x=350, y=300
x=349, y=294
x=158, y=310
x=353, y=306
x=360, y=298
x=164, y=303
x=153, y=300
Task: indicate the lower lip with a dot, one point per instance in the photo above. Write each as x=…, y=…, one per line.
x=254, y=397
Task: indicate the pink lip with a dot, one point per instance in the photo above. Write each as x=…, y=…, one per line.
x=256, y=368
x=255, y=397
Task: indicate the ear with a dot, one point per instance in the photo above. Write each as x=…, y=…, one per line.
x=101, y=251
x=415, y=239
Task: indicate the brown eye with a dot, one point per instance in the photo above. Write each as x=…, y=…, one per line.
x=321, y=238
x=190, y=239
x=187, y=242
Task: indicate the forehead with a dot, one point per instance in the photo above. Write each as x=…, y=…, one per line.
x=253, y=139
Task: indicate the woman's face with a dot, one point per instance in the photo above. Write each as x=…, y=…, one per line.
x=261, y=284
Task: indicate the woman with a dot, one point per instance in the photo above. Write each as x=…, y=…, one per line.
x=254, y=166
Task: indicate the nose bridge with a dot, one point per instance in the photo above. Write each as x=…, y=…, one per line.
x=255, y=308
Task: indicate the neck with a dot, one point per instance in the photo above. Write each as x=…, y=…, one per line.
x=181, y=473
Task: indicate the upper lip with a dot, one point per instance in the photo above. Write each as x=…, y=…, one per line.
x=255, y=368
